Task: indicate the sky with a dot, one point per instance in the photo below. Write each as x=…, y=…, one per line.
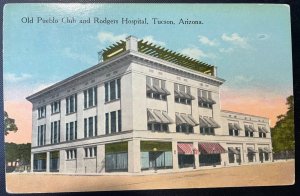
x=249, y=44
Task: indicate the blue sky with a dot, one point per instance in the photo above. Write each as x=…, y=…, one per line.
x=250, y=44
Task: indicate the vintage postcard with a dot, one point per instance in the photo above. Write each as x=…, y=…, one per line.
x=102, y=97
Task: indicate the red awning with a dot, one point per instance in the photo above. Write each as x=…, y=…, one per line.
x=211, y=148
x=185, y=148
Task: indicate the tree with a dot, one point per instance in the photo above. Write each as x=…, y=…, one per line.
x=9, y=124
x=283, y=132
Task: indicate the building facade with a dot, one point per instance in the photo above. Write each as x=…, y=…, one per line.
x=142, y=108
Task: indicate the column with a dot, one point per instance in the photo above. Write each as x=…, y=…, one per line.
x=131, y=43
x=134, y=148
x=48, y=162
x=244, y=151
x=175, y=155
x=256, y=154
x=62, y=161
x=171, y=106
x=101, y=158
x=31, y=163
x=80, y=167
x=196, y=154
x=195, y=110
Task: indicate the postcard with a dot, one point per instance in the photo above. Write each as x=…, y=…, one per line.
x=105, y=97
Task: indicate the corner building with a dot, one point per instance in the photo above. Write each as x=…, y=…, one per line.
x=142, y=108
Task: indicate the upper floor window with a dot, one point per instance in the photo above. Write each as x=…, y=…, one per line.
x=71, y=154
x=234, y=129
x=249, y=131
x=205, y=99
x=158, y=120
x=90, y=97
x=208, y=125
x=42, y=112
x=113, y=122
x=156, y=88
x=185, y=123
x=71, y=131
x=55, y=107
x=90, y=126
x=55, y=132
x=71, y=104
x=90, y=152
x=262, y=132
x=112, y=90
x=41, y=138
x=183, y=94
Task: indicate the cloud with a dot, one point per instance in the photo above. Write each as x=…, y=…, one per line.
x=242, y=78
x=204, y=40
x=196, y=53
x=236, y=40
x=150, y=39
x=78, y=56
x=105, y=37
x=11, y=77
x=226, y=50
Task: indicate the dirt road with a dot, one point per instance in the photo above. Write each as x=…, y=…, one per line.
x=279, y=173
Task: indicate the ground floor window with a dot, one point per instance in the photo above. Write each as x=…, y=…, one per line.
x=39, y=162
x=186, y=160
x=116, y=157
x=231, y=157
x=209, y=159
x=156, y=155
x=261, y=157
x=266, y=156
x=54, y=161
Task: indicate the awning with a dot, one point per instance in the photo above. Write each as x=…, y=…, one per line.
x=265, y=129
x=211, y=101
x=252, y=128
x=152, y=118
x=185, y=148
x=237, y=126
x=233, y=150
x=260, y=129
x=247, y=128
x=168, y=117
x=230, y=125
x=162, y=118
x=185, y=119
x=251, y=150
x=211, y=148
x=212, y=123
x=151, y=88
x=166, y=91
x=206, y=100
x=267, y=150
x=158, y=89
x=203, y=124
x=180, y=94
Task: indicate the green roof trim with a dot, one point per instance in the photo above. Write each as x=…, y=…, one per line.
x=161, y=53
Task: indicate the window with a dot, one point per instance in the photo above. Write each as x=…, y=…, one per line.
x=234, y=129
x=71, y=104
x=42, y=112
x=90, y=126
x=55, y=107
x=207, y=131
x=262, y=132
x=208, y=125
x=158, y=120
x=185, y=128
x=90, y=152
x=183, y=94
x=71, y=131
x=71, y=154
x=156, y=88
x=55, y=132
x=113, y=122
x=90, y=97
x=205, y=99
x=41, y=139
x=112, y=90
x=249, y=131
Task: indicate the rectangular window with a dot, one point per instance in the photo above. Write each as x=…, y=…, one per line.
x=71, y=130
x=112, y=90
x=183, y=94
x=71, y=104
x=156, y=88
x=113, y=122
x=41, y=139
x=71, y=154
x=107, y=123
x=90, y=127
x=42, y=112
x=90, y=152
x=96, y=125
x=119, y=121
x=55, y=107
x=90, y=97
x=55, y=132
x=85, y=127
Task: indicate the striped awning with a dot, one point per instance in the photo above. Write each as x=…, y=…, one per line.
x=206, y=100
x=251, y=150
x=211, y=148
x=233, y=150
x=260, y=129
x=267, y=150
x=185, y=119
x=181, y=94
x=265, y=129
x=185, y=148
x=203, y=123
x=252, y=128
x=237, y=126
x=247, y=128
x=158, y=89
x=156, y=116
x=211, y=122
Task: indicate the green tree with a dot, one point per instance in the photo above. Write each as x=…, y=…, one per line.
x=11, y=153
x=283, y=132
x=9, y=124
